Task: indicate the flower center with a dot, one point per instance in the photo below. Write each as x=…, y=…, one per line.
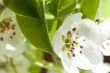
x=72, y=42
x=7, y=26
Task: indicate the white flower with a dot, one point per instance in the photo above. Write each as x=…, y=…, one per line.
x=76, y=43
x=105, y=28
x=12, y=42
x=102, y=68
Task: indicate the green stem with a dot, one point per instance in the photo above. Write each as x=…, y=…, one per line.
x=13, y=66
x=48, y=65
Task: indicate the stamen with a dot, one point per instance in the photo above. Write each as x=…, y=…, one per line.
x=73, y=48
x=67, y=40
x=13, y=27
x=74, y=29
x=75, y=42
x=14, y=33
x=1, y=39
x=11, y=37
x=81, y=46
x=6, y=25
x=68, y=33
x=5, y=22
x=69, y=54
x=67, y=45
x=72, y=44
x=73, y=55
x=80, y=52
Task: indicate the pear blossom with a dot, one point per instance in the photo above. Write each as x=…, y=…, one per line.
x=76, y=42
x=105, y=46
x=12, y=42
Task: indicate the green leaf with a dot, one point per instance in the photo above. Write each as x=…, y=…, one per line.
x=35, y=32
x=23, y=7
x=53, y=29
x=89, y=8
x=60, y=8
x=104, y=10
x=34, y=69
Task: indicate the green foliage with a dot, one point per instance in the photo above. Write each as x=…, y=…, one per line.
x=89, y=8
x=60, y=8
x=104, y=10
x=33, y=29
x=20, y=6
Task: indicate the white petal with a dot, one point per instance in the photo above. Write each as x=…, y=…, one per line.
x=102, y=68
x=57, y=42
x=92, y=53
x=67, y=61
x=80, y=60
x=72, y=19
x=105, y=28
x=90, y=31
x=70, y=69
x=105, y=46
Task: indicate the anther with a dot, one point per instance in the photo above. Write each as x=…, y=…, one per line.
x=73, y=55
x=75, y=42
x=72, y=44
x=1, y=38
x=80, y=52
x=67, y=40
x=14, y=33
x=67, y=45
x=11, y=37
x=97, y=20
x=13, y=27
x=81, y=46
x=69, y=33
x=74, y=29
x=73, y=48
